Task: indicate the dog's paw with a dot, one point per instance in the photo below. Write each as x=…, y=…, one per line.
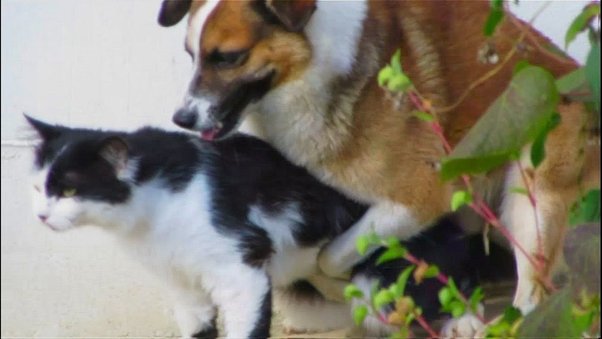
x=467, y=326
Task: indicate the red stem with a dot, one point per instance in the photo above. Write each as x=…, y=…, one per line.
x=426, y=326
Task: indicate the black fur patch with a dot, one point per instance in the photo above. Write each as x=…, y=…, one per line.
x=457, y=255
x=255, y=245
x=248, y=172
x=262, y=326
x=168, y=156
x=230, y=108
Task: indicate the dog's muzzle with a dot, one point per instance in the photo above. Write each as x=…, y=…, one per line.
x=217, y=120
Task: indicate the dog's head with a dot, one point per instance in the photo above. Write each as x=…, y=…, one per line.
x=241, y=50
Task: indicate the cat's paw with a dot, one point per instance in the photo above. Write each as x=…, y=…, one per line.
x=467, y=326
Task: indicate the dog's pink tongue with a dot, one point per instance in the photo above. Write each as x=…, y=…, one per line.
x=209, y=134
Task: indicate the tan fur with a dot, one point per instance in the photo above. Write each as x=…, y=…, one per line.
x=348, y=134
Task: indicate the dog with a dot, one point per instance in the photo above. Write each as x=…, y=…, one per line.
x=306, y=70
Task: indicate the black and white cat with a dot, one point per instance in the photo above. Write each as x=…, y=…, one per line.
x=223, y=222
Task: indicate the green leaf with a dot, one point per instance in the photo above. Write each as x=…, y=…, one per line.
x=587, y=209
x=580, y=23
x=502, y=327
x=519, y=190
x=383, y=297
x=385, y=75
x=391, y=253
x=452, y=287
x=573, y=82
x=424, y=116
x=352, y=291
x=399, y=83
x=402, y=333
x=459, y=199
x=402, y=280
x=496, y=14
x=551, y=319
x=363, y=242
x=512, y=121
x=445, y=297
x=520, y=66
x=431, y=272
x=475, y=298
x=359, y=314
x=592, y=72
x=538, y=149
x=511, y=314
x=392, y=241
x=411, y=317
x=396, y=62
x=457, y=308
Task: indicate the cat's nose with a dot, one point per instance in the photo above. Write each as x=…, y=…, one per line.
x=42, y=217
x=185, y=118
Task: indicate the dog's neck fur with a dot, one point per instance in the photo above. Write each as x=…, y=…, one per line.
x=324, y=98
x=321, y=124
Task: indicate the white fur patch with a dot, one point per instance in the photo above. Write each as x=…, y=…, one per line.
x=520, y=218
x=384, y=219
x=311, y=315
x=201, y=107
x=297, y=110
x=60, y=213
x=289, y=262
x=334, y=31
x=196, y=24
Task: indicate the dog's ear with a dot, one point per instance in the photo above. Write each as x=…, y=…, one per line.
x=172, y=11
x=294, y=14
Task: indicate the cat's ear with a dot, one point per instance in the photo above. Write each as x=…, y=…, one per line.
x=115, y=151
x=45, y=131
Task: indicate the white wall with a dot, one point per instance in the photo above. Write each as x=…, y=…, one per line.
x=97, y=63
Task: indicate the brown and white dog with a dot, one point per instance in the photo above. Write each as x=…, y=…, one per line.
x=307, y=70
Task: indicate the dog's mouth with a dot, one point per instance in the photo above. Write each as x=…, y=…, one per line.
x=227, y=115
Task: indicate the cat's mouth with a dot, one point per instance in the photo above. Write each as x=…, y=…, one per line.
x=58, y=224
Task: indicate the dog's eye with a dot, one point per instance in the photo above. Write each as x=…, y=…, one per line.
x=69, y=192
x=227, y=59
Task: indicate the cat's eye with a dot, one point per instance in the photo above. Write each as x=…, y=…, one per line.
x=69, y=192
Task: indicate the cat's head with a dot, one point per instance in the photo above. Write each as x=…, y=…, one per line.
x=81, y=175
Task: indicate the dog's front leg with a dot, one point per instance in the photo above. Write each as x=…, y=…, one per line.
x=384, y=219
x=330, y=288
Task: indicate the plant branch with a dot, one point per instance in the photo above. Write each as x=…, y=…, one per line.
x=533, y=39
x=424, y=324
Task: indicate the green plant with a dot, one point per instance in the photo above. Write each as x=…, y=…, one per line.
x=497, y=138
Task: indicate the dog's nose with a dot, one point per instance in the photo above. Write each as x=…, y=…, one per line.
x=185, y=118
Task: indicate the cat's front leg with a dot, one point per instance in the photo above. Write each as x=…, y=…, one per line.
x=244, y=297
x=195, y=314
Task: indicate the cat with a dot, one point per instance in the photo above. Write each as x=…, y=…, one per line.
x=224, y=224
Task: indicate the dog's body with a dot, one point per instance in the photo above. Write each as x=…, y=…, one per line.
x=307, y=69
